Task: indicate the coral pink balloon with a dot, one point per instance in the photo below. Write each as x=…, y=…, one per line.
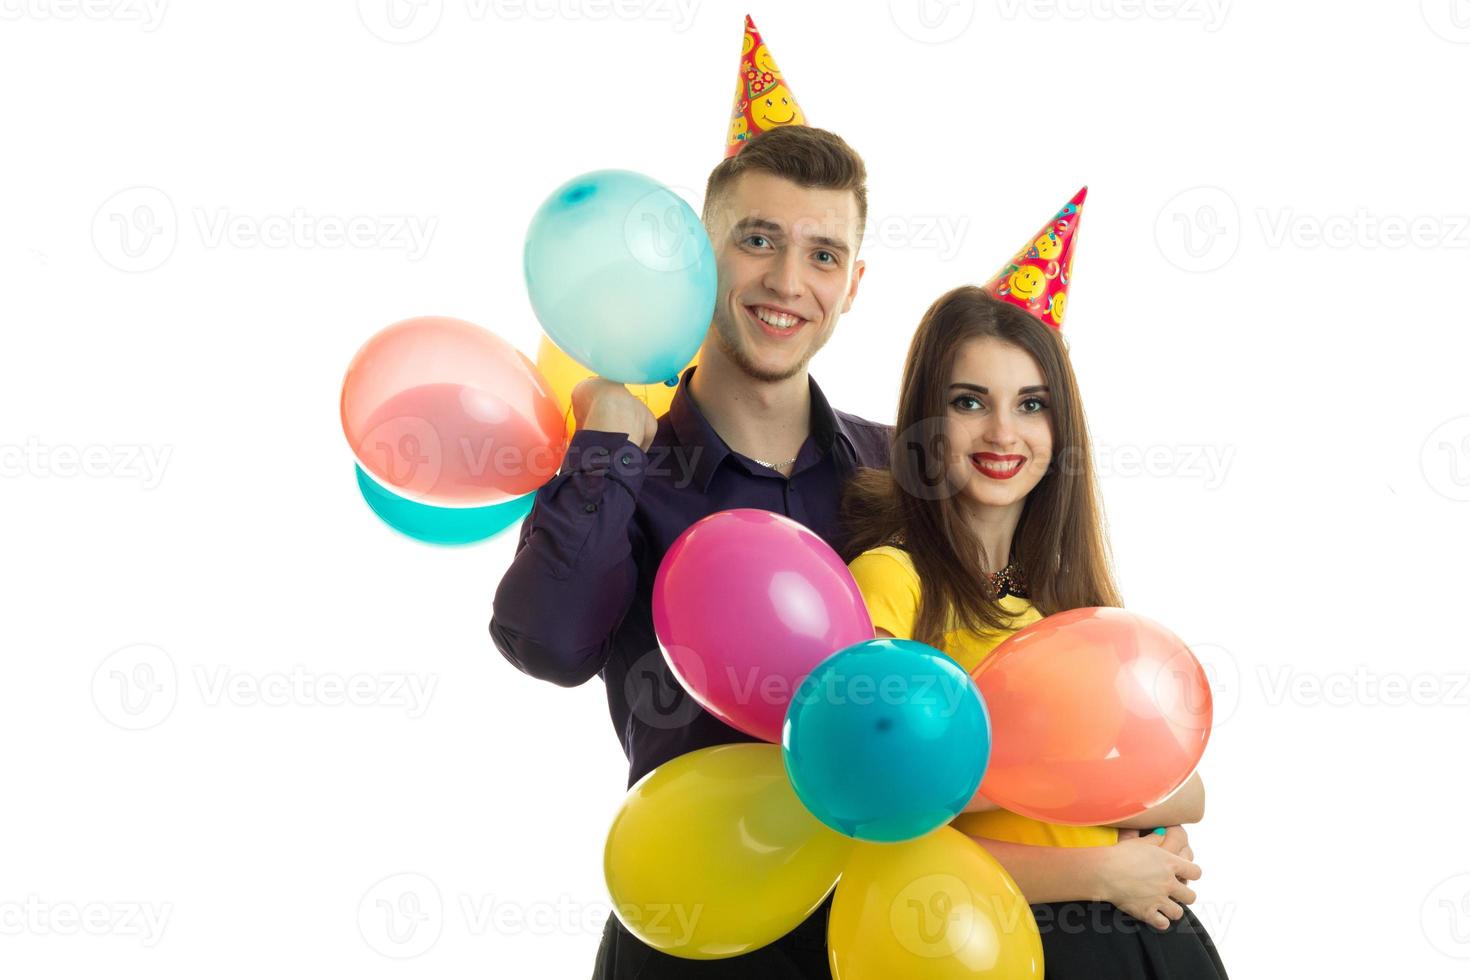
x=745, y=604
x=439, y=410
x=1096, y=715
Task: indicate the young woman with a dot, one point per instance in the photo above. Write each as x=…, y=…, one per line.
x=987, y=521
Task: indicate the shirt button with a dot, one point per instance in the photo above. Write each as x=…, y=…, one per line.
x=589, y=508
x=627, y=459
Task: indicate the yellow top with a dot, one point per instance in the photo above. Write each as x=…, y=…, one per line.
x=890, y=587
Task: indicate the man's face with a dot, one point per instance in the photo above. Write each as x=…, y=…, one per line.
x=788, y=266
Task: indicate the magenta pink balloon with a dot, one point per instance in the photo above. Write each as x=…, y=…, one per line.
x=745, y=604
x=1096, y=715
x=441, y=411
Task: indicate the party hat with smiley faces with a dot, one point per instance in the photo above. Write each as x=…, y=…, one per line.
x=1038, y=277
x=763, y=100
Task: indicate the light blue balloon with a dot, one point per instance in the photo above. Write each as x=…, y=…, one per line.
x=621, y=275
x=886, y=740
x=441, y=525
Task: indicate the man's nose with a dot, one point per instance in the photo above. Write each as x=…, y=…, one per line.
x=783, y=277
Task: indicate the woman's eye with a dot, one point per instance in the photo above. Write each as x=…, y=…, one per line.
x=1033, y=405
x=964, y=402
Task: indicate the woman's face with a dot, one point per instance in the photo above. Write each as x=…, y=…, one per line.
x=998, y=420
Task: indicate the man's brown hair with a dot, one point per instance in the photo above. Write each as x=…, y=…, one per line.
x=804, y=155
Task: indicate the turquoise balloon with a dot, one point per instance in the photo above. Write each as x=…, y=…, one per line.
x=886, y=740
x=621, y=275
x=441, y=525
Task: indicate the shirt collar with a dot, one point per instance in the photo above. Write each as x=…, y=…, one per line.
x=695, y=433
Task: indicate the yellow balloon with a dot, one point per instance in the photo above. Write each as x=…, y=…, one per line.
x=564, y=374
x=935, y=908
x=712, y=854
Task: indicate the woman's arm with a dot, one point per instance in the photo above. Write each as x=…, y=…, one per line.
x=1051, y=874
x=1186, y=805
x=1147, y=877
x=979, y=804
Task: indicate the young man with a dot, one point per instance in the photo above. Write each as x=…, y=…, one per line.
x=747, y=428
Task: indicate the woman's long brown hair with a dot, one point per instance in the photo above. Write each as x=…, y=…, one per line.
x=1059, y=542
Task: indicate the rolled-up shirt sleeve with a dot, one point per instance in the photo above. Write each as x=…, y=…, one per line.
x=575, y=571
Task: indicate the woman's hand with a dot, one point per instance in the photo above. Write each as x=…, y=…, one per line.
x=1183, y=850
x=1147, y=877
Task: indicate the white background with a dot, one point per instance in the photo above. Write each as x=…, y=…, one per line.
x=1275, y=376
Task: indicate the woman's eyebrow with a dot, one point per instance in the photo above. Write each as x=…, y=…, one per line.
x=1028, y=390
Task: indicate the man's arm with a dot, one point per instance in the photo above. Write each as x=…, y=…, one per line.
x=574, y=574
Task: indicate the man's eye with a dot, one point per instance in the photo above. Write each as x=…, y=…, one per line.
x=757, y=241
x=826, y=258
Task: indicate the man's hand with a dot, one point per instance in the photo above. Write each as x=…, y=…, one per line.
x=606, y=406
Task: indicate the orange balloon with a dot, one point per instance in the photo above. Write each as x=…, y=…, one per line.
x=1096, y=715
x=443, y=412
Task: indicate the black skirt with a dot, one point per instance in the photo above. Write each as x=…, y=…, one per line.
x=1080, y=940
x=1098, y=941
x=801, y=954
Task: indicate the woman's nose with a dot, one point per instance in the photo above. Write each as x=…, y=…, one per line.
x=999, y=431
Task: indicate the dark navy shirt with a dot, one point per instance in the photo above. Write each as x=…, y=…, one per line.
x=577, y=599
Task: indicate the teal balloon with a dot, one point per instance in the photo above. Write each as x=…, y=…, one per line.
x=441, y=525
x=886, y=740
x=621, y=275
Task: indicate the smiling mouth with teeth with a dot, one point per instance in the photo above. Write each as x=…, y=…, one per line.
x=776, y=321
x=997, y=467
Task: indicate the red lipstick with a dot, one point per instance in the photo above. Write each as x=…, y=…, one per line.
x=996, y=466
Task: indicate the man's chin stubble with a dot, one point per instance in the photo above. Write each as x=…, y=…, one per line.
x=737, y=355
x=749, y=368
